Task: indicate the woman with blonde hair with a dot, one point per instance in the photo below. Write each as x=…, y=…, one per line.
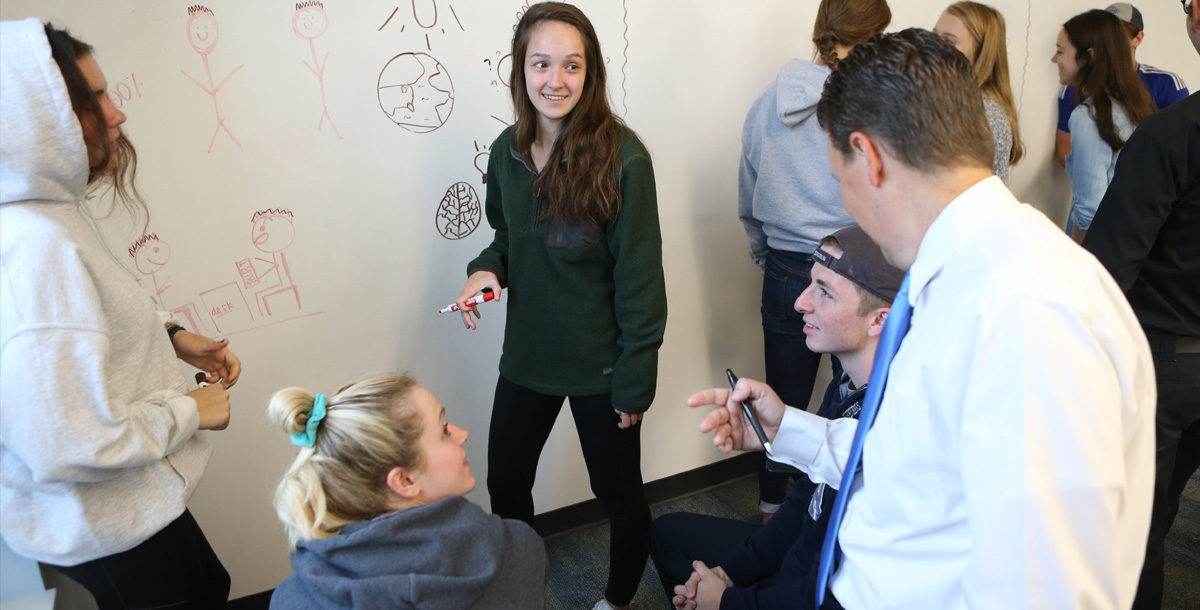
x=788, y=201
x=374, y=510
x=977, y=30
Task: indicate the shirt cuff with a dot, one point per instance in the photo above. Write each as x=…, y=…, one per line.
x=799, y=438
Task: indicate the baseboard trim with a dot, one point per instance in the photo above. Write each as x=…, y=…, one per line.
x=588, y=513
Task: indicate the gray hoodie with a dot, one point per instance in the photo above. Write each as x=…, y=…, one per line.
x=787, y=198
x=449, y=555
x=98, y=443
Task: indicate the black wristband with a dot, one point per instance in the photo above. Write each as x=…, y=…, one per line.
x=172, y=329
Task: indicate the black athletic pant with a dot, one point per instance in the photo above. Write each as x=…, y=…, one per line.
x=175, y=569
x=521, y=423
x=1178, y=440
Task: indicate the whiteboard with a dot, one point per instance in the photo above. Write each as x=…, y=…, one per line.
x=359, y=153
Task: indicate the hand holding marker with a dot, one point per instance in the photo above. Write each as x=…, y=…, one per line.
x=485, y=296
x=750, y=414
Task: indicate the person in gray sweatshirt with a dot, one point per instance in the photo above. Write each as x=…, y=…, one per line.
x=374, y=510
x=99, y=436
x=788, y=201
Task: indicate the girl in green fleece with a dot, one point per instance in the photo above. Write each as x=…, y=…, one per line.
x=571, y=197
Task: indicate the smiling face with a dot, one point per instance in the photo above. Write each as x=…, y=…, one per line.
x=830, y=304
x=151, y=256
x=444, y=470
x=1065, y=58
x=310, y=22
x=555, y=71
x=272, y=233
x=952, y=30
x=202, y=32
x=94, y=135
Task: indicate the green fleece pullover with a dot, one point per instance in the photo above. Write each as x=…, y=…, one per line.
x=586, y=306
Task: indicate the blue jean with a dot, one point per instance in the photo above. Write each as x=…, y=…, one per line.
x=791, y=367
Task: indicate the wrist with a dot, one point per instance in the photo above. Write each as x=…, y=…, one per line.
x=172, y=330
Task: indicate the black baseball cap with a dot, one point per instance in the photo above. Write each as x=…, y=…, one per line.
x=862, y=262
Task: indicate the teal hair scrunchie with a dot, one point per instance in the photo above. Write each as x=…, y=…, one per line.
x=309, y=436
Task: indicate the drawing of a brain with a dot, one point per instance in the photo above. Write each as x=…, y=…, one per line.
x=459, y=213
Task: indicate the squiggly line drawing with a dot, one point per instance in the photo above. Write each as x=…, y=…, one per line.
x=625, y=53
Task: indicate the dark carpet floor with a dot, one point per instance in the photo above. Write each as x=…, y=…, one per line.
x=578, y=560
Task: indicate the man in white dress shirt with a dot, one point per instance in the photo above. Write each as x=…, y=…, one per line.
x=1013, y=454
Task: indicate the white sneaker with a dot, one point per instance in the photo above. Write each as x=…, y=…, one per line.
x=603, y=605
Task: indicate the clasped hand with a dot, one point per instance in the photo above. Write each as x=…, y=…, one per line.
x=703, y=590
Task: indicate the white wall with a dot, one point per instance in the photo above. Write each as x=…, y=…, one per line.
x=366, y=255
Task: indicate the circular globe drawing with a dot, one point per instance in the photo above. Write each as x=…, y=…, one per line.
x=415, y=92
x=459, y=213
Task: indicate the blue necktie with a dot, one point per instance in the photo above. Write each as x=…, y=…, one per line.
x=889, y=342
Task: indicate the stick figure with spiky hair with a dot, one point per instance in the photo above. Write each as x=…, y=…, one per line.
x=202, y=32
x=309, y=22
x=272, y=231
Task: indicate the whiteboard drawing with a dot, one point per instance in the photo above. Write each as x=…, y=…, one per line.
x=226, y=307
x=309, y=22
x=483, y=153
x=203, y=33
x=415, y=92
x=459, y=212
x=272, y=231
x=425, y=15
x=150, y=255
x=500, y=69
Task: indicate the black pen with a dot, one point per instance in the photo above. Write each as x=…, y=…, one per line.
x=762, y=436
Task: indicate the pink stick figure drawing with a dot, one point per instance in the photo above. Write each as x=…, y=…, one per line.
x=309, y=22
x=202, y=32
x=149, y=256
x=272, y=231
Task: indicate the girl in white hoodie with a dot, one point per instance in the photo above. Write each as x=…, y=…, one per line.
x=99, y=450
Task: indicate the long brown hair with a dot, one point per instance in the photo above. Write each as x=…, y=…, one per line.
x=847, y=22
x=579, y=184
x=116, y=168
x=1106, y=72
x=986, y=27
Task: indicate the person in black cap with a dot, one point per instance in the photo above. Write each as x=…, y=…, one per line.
x=775, y=566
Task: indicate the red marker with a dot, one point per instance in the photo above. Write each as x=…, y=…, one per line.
x=488, y=295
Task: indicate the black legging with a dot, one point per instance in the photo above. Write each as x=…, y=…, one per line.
x=521, y=423
x=175, y=568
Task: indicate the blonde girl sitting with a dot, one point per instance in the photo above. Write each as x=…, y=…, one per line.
x=374, y=508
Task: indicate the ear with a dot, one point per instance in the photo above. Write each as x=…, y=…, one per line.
x=863, y=145
x=1137, y=40
x=878, y=317
x=402, y=483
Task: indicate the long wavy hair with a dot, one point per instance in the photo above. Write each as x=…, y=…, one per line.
x=986, y=27
x=580, y=182
x=1106, y=72
x=116, y=167
x=847, y=22
x=369, y=428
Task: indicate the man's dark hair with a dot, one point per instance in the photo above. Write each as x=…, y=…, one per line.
x=915, y=94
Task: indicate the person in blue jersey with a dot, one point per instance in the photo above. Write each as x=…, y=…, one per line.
x=1165, y=87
